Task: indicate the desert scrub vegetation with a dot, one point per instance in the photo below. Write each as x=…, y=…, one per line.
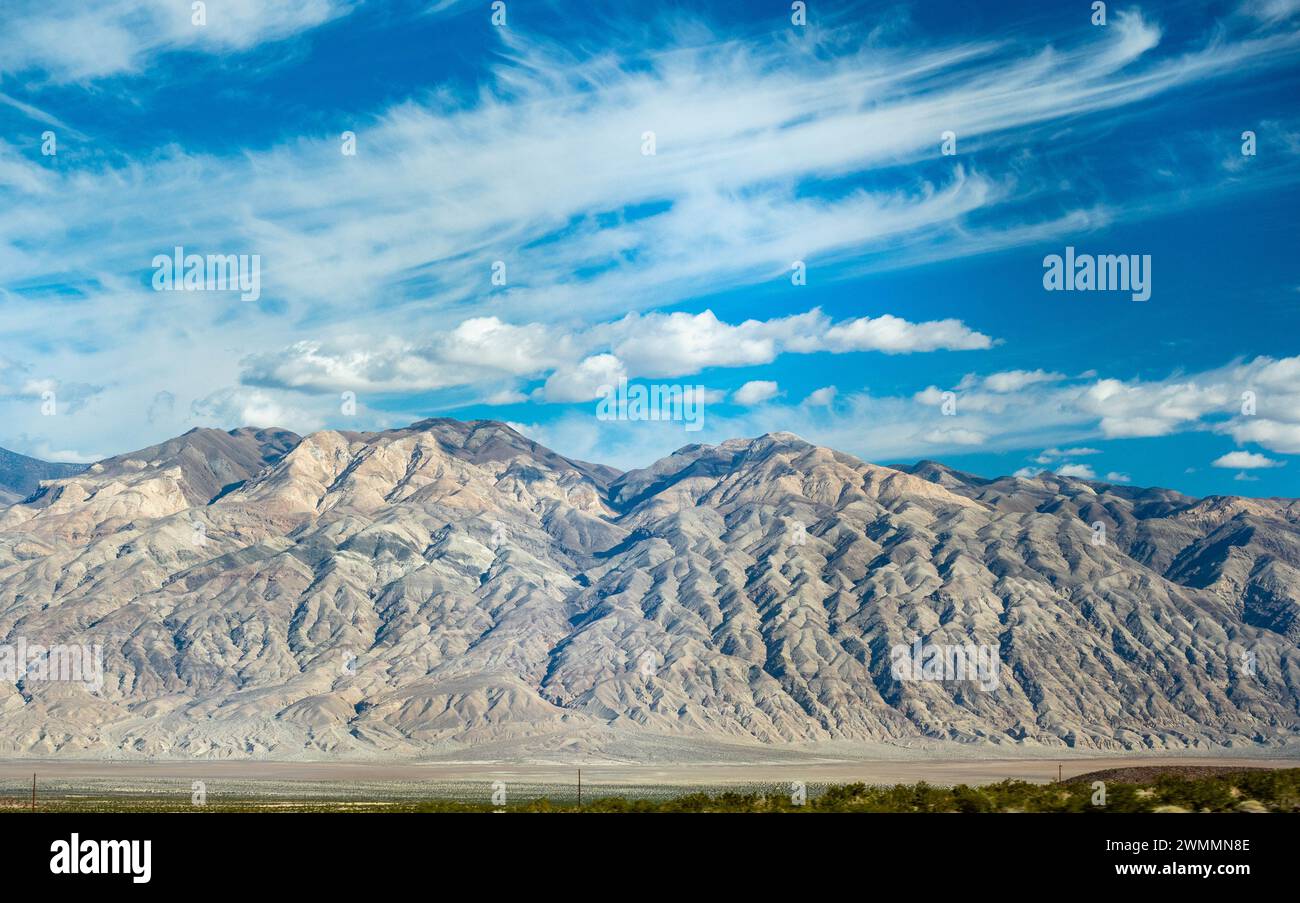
x=1241, y=791
x=1273, y=791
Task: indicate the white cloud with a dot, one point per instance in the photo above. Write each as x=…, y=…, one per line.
x=1078, y=471
x=529, y=170
x=1271, y=11
x=479, y=349
x=1244, y=460
x=1151, y=409
x=505, y=396
x=586, y=380
x=680, y=343
x=65, y=455
x=1047, y=455
x=894, y=335
x=1272, y=434
x=948, y=436
x=71, y=40
x=484, y=349
x=930, y=395
x=756, y=391
x=1054, y=416
x=1015, y=380
x=251, y=407
x=1116, y=477
x=489, y=343
x=822, y=397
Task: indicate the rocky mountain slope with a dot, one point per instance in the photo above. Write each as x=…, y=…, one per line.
x=453, y=584
x=20, y=475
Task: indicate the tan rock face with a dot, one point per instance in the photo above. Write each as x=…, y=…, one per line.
x=454, y=583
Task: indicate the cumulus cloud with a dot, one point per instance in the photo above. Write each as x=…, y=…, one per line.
x=1051, y=416
x=476, y=350
x=586, y=380
x=1272, y=434
x=1065, y=411
x=484, y=349
x=822, y=397
x=681, y=343
x=756, y=391
x=1244, y=460
x=1078, y=471
x=1210, y=400
x=894, y=335
x=251, y=407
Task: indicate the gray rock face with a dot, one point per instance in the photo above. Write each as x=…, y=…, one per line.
x=417, y=590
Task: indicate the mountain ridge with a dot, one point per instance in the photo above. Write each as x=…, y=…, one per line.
x=21, y=475
x=454, y=583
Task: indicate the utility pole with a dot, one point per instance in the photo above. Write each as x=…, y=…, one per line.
x=33, y=791
x=579, y=788
x=1058, y=772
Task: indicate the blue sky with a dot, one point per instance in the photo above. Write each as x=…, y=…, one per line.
x=774, y=142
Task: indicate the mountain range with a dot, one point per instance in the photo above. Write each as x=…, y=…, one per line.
x=454, y=584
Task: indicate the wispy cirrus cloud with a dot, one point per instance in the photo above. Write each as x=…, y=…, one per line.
x=70, y=40
x=544, y=171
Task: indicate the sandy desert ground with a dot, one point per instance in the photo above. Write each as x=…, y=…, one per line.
x=16, y=772
x=468, y=780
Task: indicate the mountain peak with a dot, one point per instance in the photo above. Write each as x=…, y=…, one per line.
x=784, y=436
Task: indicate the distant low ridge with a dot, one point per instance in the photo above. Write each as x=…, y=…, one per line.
x=20, y=475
